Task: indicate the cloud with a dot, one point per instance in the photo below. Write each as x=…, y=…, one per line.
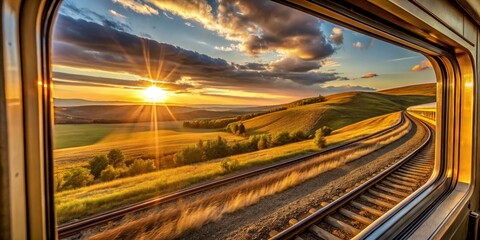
x=364, y=46
x=91, y=16
x=116, y=14
x=344, y=88
x=137, y=7
x=424, y=65
x=255, y=26
x=230, y=48
x=189, y=24
x=294, y=64
x=337, y=36
x=89, y=45
x=168, y=16
x=402, y=59
x=370, y=75
x=83, y=80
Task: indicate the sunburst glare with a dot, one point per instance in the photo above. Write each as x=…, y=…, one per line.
x=155, y=94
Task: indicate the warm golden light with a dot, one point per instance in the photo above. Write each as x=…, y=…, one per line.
x=155, y=94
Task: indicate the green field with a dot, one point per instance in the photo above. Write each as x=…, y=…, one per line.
x=77, y=135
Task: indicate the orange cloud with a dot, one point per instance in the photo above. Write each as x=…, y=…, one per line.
x=370, y=75
x=424, y=64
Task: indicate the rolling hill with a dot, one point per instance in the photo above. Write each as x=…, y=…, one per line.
x=341, y=110
x=427, y=89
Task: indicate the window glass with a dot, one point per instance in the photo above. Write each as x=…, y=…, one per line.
x=153, y=97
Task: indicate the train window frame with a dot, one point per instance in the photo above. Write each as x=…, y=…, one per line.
x=456, y=113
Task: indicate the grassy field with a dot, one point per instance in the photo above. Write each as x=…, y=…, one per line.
x=77, y=135
x=135, y=140
x=338, y=111
x=93, y=199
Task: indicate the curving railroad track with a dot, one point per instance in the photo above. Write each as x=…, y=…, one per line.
x=73, y=228
x=346, y=217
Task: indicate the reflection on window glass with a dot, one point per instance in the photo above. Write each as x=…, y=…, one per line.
x=155, y=96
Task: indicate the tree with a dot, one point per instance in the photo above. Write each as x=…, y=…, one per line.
x=234, y=128
x=116, y=157
x=97, y=165
x=141, y=166
x=262, y=143
x=326, y=130
x=76, y=178
x=108, y=174
x=319, y=139
x=241, y=129
x=321, y=98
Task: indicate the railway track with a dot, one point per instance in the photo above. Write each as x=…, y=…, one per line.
x=73, y=228
x=346, y=217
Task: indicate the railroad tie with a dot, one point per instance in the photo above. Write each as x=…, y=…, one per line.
x=377, y=201
x=360, y=206
x=354, y=216
x=384, y=196
x=393, y=191
x=342, y=226
x=319, y=232
x=391, y=184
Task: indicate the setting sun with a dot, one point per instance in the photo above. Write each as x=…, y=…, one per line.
x=155, y=94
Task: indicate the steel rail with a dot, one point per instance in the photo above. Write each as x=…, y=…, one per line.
x=310, y=223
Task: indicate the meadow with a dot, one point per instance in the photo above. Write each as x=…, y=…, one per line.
x=134, y=139
x=78, y=203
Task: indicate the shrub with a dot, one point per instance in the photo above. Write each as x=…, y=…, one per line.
x=108, y=174
x=281, y=139
x=326, y=130
x=229, y=165
x=97, y=165
x=319, y=139
x=141, y=166
x=76, y=178
x=116, y=157
x=187, y=155
x=297, y=136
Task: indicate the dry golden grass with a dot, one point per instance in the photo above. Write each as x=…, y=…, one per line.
x=171, y=223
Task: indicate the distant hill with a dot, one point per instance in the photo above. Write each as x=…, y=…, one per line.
x=133, y=113
x=427, y=89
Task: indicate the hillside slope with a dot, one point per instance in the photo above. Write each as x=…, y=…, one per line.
x=338, y=111
x=427, y=89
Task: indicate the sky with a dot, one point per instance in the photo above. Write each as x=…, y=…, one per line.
x=246, y=52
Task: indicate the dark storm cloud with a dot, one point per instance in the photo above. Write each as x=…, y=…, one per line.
x=277, y=27
x=289, y=64
x=79, y=43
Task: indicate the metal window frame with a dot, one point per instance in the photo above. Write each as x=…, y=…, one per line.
x=25, y=98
